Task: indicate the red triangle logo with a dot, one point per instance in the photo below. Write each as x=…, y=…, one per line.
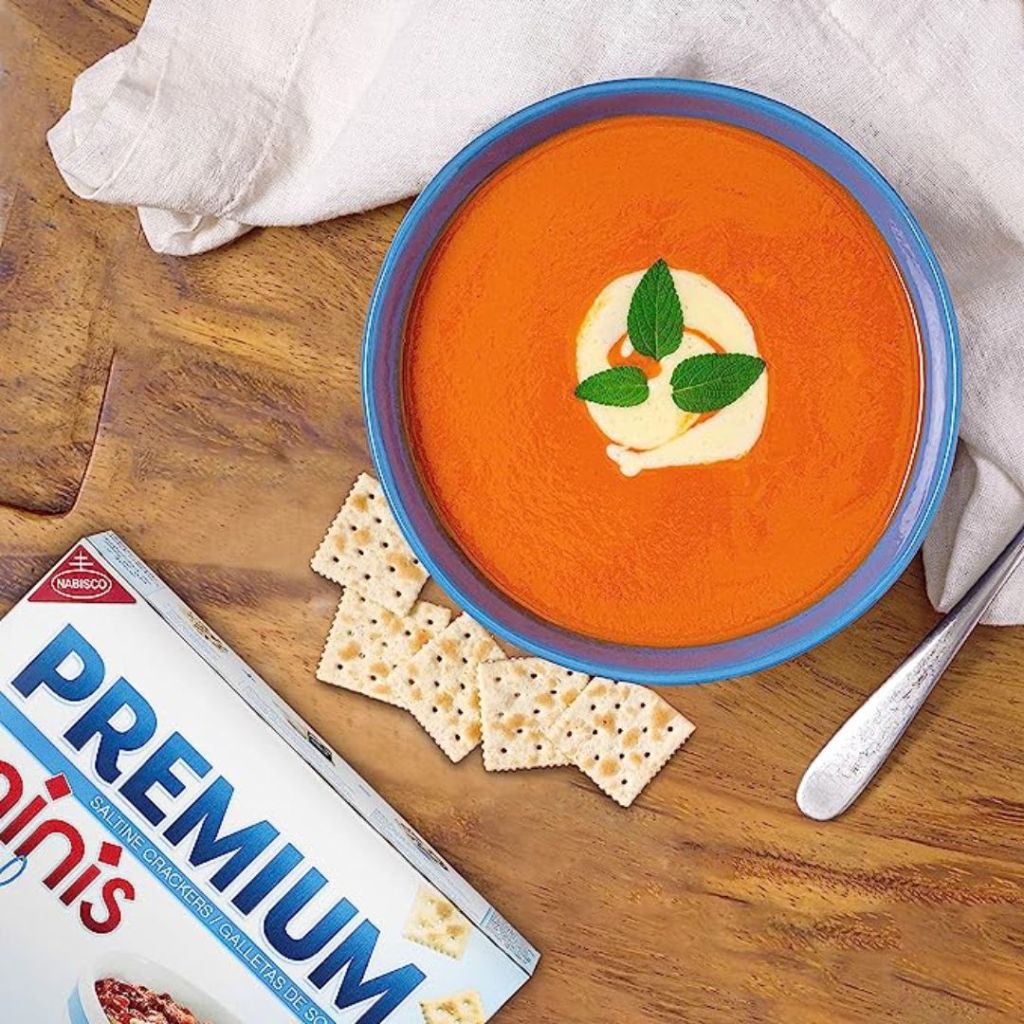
x=81, y=577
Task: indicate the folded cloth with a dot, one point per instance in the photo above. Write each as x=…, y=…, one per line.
x=221, y=116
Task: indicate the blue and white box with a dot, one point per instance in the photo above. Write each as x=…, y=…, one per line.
x=176, y=841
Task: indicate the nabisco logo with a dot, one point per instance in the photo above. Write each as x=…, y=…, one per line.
x=81, y=581
x=81, y=577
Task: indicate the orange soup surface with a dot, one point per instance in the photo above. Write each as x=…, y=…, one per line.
x=518, y=469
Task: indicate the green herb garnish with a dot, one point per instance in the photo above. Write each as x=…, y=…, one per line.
x=712, y=381
x=655, y=319
x=621, y=385
x=703, y=383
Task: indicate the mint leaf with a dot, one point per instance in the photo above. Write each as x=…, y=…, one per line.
x=714, y=380
x=621, y=385
x=655, y=319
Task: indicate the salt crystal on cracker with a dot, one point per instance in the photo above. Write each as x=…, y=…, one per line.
x=463, y=1008
x=435, y=922
x=365, y=550
x=439, y=685
x=520, y=699
x=621, y=735
x=367, y=642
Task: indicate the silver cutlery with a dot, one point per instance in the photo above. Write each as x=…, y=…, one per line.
x=850, y=760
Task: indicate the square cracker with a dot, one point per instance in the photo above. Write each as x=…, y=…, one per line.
x=367, y=642
x=463, y=1008
x=439, y=686
x=621, y=735
x=365, y=550
x=520, y=699
x=435, y=922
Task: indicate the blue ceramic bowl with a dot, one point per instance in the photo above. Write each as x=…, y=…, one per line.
x=382, y=356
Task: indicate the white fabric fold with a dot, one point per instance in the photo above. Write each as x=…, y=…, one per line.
x=221, y=116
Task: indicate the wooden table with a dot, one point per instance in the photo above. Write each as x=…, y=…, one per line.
x=208, y=409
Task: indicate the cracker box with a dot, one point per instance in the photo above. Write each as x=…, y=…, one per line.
x=176, y=845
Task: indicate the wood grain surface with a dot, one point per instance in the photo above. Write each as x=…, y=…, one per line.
x=208, y=409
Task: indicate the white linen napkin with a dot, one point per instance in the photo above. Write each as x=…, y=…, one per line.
x=224, y=114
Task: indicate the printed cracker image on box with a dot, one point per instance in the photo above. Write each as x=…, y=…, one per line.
x=177, y=846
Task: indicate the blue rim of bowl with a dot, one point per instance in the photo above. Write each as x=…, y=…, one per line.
x=382, y=400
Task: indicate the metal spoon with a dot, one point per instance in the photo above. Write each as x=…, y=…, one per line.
x=849, y=761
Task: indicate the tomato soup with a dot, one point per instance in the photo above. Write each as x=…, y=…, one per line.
x=661, y=381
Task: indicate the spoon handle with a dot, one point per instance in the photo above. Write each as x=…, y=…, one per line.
x=849, y=761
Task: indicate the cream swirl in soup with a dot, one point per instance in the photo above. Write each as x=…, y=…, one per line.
x=657, y=434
